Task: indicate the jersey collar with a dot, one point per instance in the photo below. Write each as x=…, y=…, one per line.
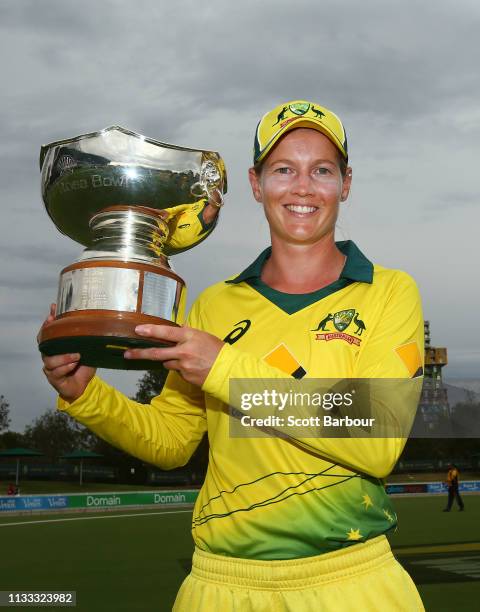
x=357, y=267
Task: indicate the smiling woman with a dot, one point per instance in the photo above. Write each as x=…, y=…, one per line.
x=301, y=181
x=300, y=185
x=282, y=522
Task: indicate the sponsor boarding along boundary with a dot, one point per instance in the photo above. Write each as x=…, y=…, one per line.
x=174, y=498
x=94, y=502
x=405, y=489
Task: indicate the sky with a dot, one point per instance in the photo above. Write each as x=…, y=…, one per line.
x=403, y=76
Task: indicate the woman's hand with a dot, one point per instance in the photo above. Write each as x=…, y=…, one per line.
x=212, y=208
x=64, y=372
x=193, y=354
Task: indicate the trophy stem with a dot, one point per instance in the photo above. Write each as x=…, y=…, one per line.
x=129, y=233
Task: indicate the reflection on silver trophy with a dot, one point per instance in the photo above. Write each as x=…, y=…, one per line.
x=132, y=202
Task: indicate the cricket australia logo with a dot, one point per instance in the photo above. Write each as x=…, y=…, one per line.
x=341, y=321
x=343, y=318
x=299, y=108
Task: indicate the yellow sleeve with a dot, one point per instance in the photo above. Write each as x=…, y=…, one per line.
x=399, y=325
x=187, y=227
x=165, y=432
x=396, y=346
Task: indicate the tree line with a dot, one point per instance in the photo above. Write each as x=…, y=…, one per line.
x=54, y=434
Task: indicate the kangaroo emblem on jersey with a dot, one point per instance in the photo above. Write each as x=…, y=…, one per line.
x=341, y=321
x=323, y=322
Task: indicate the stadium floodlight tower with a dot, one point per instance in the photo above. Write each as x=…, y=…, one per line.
x=434, y=400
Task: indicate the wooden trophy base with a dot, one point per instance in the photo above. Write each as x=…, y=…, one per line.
x=99, y=305
x=101, y=338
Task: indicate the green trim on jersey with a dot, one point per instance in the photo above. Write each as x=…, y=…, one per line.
x=357, y=268
x=206, y=227
x=266, y=497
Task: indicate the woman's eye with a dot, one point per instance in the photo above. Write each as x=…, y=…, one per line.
x=323, y=170
x=283, y=170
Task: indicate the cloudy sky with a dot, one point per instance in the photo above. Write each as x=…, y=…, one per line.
x=403, y=76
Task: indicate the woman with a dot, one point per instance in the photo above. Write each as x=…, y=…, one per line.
x=279, y=524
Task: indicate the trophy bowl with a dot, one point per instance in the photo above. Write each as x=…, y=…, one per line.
x=132, y=202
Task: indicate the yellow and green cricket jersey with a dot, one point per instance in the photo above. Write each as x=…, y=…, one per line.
x=186, y=226
x=271, y=497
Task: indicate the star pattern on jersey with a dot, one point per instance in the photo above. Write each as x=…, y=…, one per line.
x=354, y=534
x=388, y=515
x=367, y=501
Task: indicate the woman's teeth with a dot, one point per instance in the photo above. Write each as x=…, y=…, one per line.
x=301, y=209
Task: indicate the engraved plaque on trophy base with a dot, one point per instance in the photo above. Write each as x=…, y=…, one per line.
x=99, y=305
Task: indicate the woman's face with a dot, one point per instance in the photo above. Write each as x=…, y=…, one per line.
x=300, y=186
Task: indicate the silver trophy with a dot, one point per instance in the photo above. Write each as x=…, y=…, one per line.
x=132, y=202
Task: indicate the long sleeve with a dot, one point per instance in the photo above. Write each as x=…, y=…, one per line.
x=165, y=432
x=394, y=350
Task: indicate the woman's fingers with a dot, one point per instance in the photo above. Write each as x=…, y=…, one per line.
x=172, y=364
x=153, y=353
x=51, y=315
x=193, y=353
x=52, y=363
x=170, y=333
x=61, y=371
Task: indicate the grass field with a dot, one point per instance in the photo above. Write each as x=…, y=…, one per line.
x=136, y=561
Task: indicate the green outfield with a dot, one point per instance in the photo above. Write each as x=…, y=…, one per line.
x=136, y=560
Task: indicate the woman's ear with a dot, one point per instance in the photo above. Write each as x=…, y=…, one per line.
x=255, y=184
x=347, y=183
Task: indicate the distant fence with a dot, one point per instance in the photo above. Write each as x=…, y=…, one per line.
x=182, y=476
x=69, y=471
x=436, y=465
x=187, y=497
x=86, y=501
x=57, y=471
x=467, y=486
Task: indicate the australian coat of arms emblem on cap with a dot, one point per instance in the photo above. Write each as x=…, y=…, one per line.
x=299, y=108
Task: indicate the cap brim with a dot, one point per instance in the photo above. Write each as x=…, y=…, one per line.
x=308, y=122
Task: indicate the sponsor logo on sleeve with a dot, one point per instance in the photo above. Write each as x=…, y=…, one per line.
x=410, y=355
x=238, y=331
x=281, y=357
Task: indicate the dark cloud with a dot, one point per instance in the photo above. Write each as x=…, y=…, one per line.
x=56, y=18
x=403, y=76
x=455, y=200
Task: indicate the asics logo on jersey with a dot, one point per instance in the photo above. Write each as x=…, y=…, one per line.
x=341, y=321
x=238, y=331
